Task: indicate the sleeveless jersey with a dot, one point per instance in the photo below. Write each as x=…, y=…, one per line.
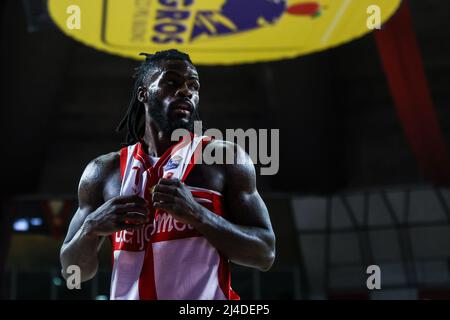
x=167, y=259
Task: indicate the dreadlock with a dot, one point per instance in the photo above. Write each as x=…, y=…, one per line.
x=134, y=119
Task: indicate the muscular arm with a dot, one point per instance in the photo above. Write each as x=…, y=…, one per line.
x=98, y=217
x=246, y=236
x=81, y=247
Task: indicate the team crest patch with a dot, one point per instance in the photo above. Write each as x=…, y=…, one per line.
x=173, y=163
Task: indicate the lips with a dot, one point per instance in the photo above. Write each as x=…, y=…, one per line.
x=181, y=107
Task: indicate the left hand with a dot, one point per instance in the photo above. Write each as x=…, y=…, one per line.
x=172, y=196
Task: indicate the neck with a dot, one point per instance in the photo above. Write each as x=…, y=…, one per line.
x=156, y=141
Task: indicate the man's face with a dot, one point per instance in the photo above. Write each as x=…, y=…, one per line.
x=173, y=95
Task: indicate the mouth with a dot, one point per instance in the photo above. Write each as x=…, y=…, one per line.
x=182, y=108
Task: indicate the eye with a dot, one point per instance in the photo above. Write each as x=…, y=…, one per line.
x=194, y=86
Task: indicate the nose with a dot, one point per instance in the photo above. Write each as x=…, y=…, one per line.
x=184, y=91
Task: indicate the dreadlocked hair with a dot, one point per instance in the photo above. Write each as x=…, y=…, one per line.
x=134, y=119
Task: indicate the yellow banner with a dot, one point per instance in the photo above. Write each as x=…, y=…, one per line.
x=219, y=31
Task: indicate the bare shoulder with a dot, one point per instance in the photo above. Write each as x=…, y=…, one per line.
x=239, y=168
x=101, y=167
x=235, y=152
x=97, y=178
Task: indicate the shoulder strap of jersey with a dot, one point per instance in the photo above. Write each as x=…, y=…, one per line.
x=197, y=154
x=183, y=159
x=123, y=161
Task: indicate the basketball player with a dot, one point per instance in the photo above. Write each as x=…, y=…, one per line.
x=174, y=225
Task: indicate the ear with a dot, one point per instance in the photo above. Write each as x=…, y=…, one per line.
x=142, y=94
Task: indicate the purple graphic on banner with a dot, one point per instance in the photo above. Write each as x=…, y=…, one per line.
x=238, y=16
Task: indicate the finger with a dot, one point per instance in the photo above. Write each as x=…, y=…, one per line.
x=120, y=209
x=164, y=206
x=131, y=208
x=131, y=199
x=127, y=226
x=164, y=197
x=172, y=181
x=132, y=205
x=136, y=216
x=133, y=222
x=165, y=189
x=133, y=218
x=172, y=208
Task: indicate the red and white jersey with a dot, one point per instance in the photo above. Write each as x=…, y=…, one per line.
x=167, y=259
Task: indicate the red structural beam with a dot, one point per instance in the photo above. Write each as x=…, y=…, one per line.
x=402, y=62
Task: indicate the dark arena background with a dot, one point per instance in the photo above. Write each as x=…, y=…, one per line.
x=364, y=170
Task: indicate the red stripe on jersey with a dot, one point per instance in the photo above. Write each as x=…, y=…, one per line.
x=195, y=156
x=147, y=287
x=140, y=155
x=123, y=160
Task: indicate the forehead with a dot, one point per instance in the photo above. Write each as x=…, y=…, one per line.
x=178, y=66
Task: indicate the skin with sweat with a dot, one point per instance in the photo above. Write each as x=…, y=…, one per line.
x=170, y=97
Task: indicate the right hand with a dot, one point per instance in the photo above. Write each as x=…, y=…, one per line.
x=118, y=213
